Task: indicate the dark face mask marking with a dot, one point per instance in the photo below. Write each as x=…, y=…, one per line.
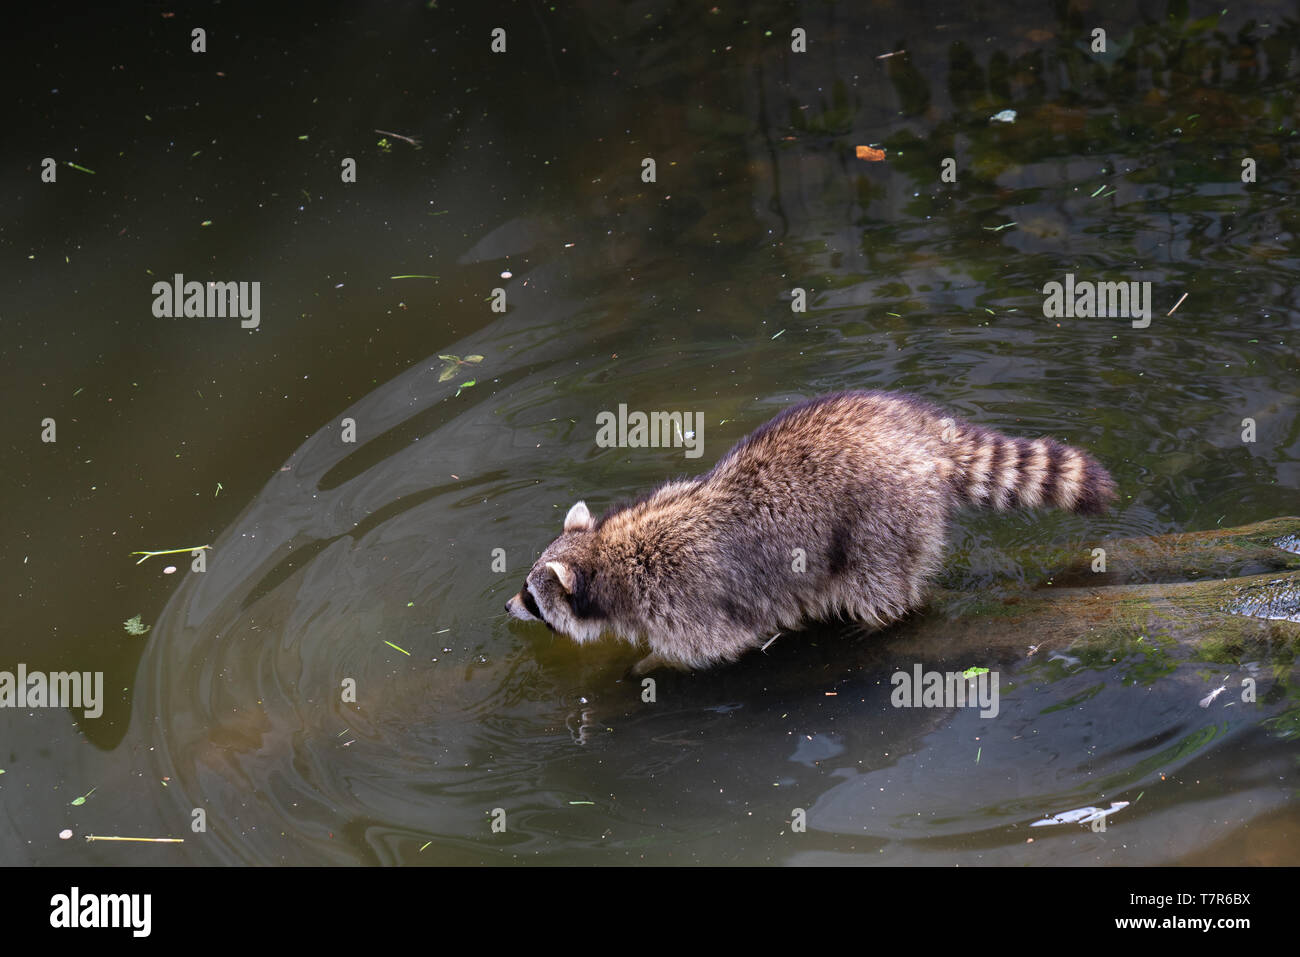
x=530, y=604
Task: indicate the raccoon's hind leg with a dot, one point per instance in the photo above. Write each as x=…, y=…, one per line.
x=885, y=588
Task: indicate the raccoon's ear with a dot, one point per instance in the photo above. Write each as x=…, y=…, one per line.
x=564, y=573
x=578, y=519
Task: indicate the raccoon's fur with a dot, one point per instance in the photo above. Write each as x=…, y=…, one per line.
x=839, y=505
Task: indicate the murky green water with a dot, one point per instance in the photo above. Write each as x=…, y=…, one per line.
x=675, y=296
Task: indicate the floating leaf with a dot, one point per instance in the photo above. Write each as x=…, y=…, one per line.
x=134, y=626
x=973, y=672
x=82, y=800
x=454, y=363
x=465, y=385
x=1081, y=815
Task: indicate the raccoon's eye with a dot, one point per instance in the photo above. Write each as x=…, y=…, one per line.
x=531, y=604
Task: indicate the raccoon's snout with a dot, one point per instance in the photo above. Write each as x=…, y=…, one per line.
x=524, y=607
x=517, y=609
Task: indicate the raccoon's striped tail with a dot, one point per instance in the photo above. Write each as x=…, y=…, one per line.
x=996, y=471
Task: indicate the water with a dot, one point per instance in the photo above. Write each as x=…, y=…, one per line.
x=668, y=296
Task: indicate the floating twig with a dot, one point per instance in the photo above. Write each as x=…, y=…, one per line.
x=169, y=551
x=1176, y=305
x=398, y=136
x=142, y=840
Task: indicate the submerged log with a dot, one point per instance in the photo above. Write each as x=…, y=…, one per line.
x=1222, y=594
x=1273, y=545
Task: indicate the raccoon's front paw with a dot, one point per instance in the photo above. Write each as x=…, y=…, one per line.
x=649, y=663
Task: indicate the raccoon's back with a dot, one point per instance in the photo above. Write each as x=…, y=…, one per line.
x=913, y=449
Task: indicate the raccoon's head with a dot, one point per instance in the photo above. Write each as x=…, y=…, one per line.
x=559, y=591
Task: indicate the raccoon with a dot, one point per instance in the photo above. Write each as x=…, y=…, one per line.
x=838, y=506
